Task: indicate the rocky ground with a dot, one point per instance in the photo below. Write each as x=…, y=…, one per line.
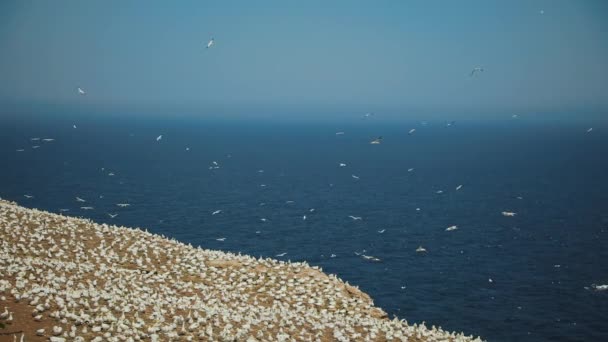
x=69, y=279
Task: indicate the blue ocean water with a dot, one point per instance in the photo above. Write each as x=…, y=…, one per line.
x=552, y=174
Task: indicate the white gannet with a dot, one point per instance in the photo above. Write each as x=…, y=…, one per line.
x=281, y=254
x=339, y=133
x=376, y=141
x=367, y=115
x=355, y=177
x=342, y=164
x=411, y=131
x=112, y=215
x=451, y=228
x=34, y=139
x=355, y=218
x=541, y=12
x=187, y=148
x=589, y=130
x=159, y=137
x=78, y=199
x=508, y=213
x=410, y=169
x=304, y=218
x=221, y=239
x=28, y=196
x=381, y=231
x=210, y=43
x=20, y=150
x=370, y=258
x=86, y=208
x=74, y=126
x=459, y=187
x=123, y=205
x=48, y=139
x=35, y=146
x=475, y=70
x=599, y=287
x=514, y=116
x=332, y=256
x=420, y=249
x=216, y=212
x=81, y=91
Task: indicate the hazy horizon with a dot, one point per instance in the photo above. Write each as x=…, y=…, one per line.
x=397, y=59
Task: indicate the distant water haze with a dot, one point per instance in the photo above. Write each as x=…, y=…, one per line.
x=352, y=55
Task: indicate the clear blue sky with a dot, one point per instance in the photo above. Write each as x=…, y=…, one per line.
x=355, y=55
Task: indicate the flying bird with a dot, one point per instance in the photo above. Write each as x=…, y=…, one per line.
x=508, y=213
x=459, y=187
x=367, y=115
x=74, y=126
x=355, y=218
x=376, y=141
x=355, y=177
x=589, y=130
x=86, y=208
x=112, y=215
x=221, y=239
x=28, y=196
x=81, y=91
x=475, y=70
x=159, y=137
x=78, y=199
x=211, y=43
x=281, y=254
x=381, y=231
x=123, y=205
x=411, y=131
x=451, y=228
x=216, y=212
x=339, y=133
x=342, y=165
x=420, y=249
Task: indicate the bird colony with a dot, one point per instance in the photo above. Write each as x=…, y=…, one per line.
x=69, y=279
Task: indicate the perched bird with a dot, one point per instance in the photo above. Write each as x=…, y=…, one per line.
x=475, y=70
x=376, y=141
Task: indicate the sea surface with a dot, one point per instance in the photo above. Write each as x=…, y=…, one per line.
x=520, y=278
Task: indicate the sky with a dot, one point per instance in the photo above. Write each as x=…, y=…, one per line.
x=295, y=56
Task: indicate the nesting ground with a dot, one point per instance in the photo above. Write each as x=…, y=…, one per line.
x=71, y=279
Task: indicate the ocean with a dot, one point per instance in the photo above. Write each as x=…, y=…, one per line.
x=504, y=278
